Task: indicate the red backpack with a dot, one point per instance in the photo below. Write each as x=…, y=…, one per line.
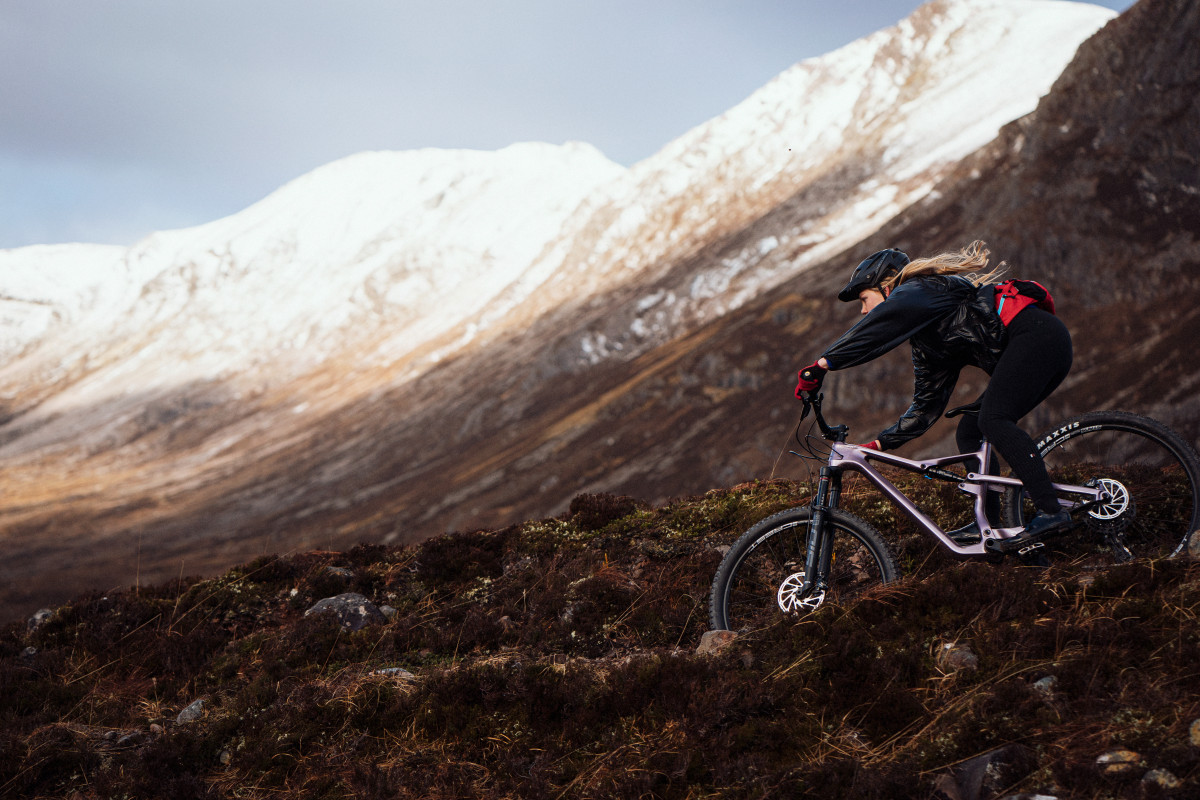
x=1013, y=297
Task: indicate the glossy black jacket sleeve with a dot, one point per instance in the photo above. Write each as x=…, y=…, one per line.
x=934, y=384
x=907, y=311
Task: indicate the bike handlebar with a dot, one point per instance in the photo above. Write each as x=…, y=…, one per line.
x=812, y=401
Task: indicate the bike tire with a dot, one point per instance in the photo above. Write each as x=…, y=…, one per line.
x=746, y=588
x=1155, y=475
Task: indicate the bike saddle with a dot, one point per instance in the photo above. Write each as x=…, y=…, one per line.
x=969, y=408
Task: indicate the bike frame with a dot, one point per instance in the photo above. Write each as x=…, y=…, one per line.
x=849, y=457
x=844, y=457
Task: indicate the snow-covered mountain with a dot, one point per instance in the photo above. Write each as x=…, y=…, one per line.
x=847, y=140
x=141, y=385
x=403, y=246
x=407, y=249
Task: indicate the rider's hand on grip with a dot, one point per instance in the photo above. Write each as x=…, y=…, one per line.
x=810, y=379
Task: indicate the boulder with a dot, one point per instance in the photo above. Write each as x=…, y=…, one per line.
x=192, y=713
x=1163, y=779
x=1119, y=761
x=713, y=642
x=1045, y=687
x=953, y=656
x=39, y=618
x=395, y=672
x=989, y=774
x=352, y=610
x=986, y=775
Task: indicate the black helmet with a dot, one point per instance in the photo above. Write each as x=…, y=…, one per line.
x=873, y=271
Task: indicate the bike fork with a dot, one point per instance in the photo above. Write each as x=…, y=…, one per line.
x=819, y=557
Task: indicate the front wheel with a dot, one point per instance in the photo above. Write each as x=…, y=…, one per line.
x=1150, y=473
x=760, y=578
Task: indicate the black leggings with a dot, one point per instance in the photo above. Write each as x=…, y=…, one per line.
x=1033, y=364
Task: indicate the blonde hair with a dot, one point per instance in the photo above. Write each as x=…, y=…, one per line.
x=970, y=262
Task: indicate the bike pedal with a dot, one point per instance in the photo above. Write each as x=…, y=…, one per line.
x=1029, y=548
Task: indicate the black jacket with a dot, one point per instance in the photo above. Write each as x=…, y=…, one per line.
x=950, y=323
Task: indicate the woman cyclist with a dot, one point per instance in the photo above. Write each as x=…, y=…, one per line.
x=946, y=307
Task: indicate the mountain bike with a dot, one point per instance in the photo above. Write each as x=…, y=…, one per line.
x=1130, y=483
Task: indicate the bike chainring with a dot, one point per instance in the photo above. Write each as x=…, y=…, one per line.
x=790, y=599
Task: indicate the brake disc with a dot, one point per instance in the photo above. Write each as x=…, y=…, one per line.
x=790, y=599
x=1117, y=512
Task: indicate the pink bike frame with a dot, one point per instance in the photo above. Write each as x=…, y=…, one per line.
x=856, y=458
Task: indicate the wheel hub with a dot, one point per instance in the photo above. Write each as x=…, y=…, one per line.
x=790, y=597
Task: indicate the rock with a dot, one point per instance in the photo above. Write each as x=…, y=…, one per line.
x=352, y=610
x=1045, y=687
x=952, y=657
x=1194, y=732
x=192, y=713
x=225, y=757
x=1119, y=761
x=340, y=572
x=156, y=729
x=1193, y=547
x=946, y=788
x=713, y=642
x=131, y=739
x=1161, y=778
x=395, y=672
x=986, y=775
x=388, y=611
x=39, y=618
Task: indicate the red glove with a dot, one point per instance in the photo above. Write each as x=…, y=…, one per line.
x=872, y=445
x=810, y=378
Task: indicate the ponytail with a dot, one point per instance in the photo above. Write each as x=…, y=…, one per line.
x=970, y=262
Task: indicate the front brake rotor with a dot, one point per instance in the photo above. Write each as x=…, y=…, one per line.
x=790, y=599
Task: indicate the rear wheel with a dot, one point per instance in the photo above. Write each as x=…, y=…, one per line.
x=759, y=582
x=1152, y=477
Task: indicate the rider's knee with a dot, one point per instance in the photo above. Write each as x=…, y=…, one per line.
x=993, y=423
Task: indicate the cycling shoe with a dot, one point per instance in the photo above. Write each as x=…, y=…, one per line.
x=1027, y=540
x=1043, y=523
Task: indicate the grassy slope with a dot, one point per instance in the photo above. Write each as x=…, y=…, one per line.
x=557, y=659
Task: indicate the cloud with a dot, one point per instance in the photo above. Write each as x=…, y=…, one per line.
x=177, y=113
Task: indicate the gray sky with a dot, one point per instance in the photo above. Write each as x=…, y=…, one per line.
x=121, y=117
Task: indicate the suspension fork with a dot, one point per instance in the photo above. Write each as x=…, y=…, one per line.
x=819, y=557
